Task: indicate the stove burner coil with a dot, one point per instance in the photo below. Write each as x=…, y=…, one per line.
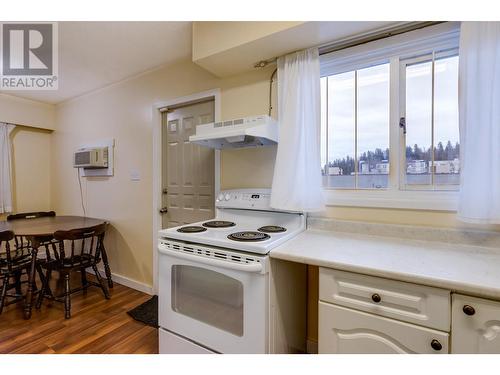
x=272, y=229
x=248, y=236
x=218, y=224
x=191, y=229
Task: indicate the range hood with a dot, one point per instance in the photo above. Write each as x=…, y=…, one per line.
x=244, y=132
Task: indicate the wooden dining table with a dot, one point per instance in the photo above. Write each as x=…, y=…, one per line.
x=41, y=229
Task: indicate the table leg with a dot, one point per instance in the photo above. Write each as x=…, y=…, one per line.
x=107, y=270
x=31, y=280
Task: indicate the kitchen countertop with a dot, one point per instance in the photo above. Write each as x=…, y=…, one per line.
x=463, y=268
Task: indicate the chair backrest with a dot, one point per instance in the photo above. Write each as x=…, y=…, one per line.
x=5, y=249
x=31, y=215
x=85, y=244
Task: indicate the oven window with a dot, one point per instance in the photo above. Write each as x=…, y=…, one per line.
x=209, y=297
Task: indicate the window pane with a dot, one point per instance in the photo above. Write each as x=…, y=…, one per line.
x=418, y=123
x=323, y=126
x=373, y=127
x=341, y=112
x=446, y=137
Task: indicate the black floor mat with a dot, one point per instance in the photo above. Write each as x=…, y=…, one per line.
x=147, y=312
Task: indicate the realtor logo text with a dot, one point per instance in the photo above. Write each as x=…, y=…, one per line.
x=29, y=56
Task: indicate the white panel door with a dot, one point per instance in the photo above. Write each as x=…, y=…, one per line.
x=475, y=325
x=188, y=169
x=346, y=331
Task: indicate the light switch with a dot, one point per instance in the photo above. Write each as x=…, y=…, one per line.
x=135, y=175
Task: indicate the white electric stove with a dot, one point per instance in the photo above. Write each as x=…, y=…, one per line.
x=214, y=283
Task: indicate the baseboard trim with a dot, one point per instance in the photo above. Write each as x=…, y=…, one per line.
x=312, y=347
x=125, y=281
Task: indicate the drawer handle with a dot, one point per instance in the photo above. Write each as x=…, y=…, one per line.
x=469, y=310
x=436, y=345
x=376, y=298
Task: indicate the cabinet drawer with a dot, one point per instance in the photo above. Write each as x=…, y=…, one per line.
x=347, y=331
x=475, y=325
x=412, y=303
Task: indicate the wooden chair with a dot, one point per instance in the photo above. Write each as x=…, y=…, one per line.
x=23, y=243
x=78, y=250
x=13, y=262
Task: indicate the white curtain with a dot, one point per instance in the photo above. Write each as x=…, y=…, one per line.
x=297, y=184
x=479, y=92
x=5, y=168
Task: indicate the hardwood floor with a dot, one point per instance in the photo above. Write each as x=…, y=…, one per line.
x=96, y=326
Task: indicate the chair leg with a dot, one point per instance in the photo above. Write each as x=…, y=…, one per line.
x=35, y=286
x=3, y=293
x=85, y=283
x=45, y=282
x=17, y=278
x=67, y=297
x=107, y=270
x=99, y=280
x=39, y=270
x=48, y=276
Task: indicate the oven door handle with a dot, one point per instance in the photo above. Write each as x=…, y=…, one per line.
x=246, y=267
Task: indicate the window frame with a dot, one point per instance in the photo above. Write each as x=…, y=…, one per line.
x=404, y=63
x=356, y=69
x=393, y=50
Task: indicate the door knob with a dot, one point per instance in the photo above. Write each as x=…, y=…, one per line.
x=163, y=210
x=468, y=310
x=436, y=345
x=376, y=298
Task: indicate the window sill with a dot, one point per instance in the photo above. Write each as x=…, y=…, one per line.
x=398, y=199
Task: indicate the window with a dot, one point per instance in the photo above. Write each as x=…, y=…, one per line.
x=432, y=145
x=367, y=93
x=355, y=147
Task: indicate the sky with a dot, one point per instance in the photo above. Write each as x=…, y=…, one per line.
x=373, y=108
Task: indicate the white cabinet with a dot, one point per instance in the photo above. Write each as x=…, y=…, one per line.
x=475, y=325
x=346, y=331
x=365, y=314
x=418, y=304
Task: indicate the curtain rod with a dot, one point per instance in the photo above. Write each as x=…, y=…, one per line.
x=27, y=126
x=357, y=40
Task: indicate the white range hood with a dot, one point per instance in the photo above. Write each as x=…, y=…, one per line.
x=239, y=133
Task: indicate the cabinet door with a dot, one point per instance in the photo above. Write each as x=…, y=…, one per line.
x=475, y=325
x=418, y=304
x=346, y=331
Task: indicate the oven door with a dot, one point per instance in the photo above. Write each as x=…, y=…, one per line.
x=213, y=299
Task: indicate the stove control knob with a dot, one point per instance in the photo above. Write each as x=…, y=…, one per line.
x=227, y=196
x=220, y=197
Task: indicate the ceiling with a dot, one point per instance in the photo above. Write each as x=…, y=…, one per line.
x=93, y=55
x=241, y=57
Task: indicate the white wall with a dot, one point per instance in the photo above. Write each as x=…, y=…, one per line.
x=123, y=111
x=31, y=113
x=31, y=151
